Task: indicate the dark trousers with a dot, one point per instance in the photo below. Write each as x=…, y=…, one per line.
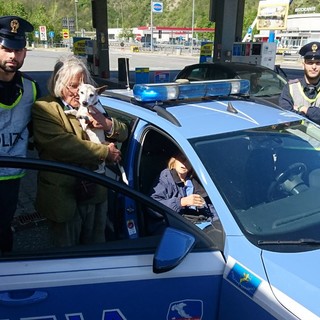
x=9, y=194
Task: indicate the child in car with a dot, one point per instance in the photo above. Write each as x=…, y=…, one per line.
x=178, y=188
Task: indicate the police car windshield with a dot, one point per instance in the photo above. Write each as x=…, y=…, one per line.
x=270, y=180
x=264, y=82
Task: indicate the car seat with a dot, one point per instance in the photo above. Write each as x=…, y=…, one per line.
x=258, y=178
x=156, y=152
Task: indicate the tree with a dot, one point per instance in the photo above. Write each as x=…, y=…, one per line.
x=126, y=34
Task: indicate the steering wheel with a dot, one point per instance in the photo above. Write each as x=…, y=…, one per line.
x=288, y=180
x=264, y=88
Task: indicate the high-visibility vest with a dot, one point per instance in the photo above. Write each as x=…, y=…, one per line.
x=14, y=133
x=300, y=98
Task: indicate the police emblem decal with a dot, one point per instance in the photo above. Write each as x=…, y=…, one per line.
x=243, y=279
x=314, y=48
x=186, y=310
x=14, y=24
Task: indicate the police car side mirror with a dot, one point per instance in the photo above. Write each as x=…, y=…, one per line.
x=173, y=248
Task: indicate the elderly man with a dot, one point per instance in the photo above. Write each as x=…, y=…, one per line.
x=303, y=95
x=17, y=95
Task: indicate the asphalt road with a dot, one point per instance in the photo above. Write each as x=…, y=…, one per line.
x=39, y=63
x=44, y=59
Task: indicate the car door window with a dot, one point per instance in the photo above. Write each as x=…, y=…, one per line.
x=157, y=149
x=33, y=223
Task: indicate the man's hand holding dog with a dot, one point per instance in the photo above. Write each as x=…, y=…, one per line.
x=114, y=155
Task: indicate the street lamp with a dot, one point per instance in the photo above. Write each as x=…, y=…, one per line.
x=76, y=12
x=151, y=23
x=192, y=27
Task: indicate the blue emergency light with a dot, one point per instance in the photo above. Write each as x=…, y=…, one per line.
x=190, y=90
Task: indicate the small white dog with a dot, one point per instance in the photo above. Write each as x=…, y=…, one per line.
x=88, y=98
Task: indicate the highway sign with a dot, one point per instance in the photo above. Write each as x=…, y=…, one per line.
x=157, y=7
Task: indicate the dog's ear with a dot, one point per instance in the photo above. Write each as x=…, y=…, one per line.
x=101, y=89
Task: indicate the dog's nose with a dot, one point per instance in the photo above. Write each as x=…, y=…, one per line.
x=85, y=103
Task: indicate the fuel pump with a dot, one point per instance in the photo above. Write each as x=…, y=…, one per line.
x=92, y=56
x=260, y=53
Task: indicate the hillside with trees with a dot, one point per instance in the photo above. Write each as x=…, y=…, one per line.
x=126, y=13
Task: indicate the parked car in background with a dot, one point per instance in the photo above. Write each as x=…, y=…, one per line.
x=265, y=83
x=147, y=45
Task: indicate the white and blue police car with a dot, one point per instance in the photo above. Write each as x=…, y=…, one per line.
x=257, y=259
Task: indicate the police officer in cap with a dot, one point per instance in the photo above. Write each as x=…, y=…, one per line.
x=303, y=95
x=17, y=95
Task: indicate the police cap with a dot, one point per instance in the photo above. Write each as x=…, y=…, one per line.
x=12, y=32
x=311, y=51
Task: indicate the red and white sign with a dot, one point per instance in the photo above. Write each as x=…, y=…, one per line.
x=65, y=34
x=43, y=33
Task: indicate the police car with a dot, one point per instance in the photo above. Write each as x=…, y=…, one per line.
x=257, y=259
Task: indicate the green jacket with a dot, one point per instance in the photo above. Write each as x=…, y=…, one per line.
x=59, y=137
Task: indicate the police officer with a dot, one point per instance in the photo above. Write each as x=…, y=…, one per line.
x=303, y=95
x=17, y=95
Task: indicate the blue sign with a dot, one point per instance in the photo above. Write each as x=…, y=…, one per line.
x=142, y=75
x=51, y=34
x=157, y=7
x=161, y=76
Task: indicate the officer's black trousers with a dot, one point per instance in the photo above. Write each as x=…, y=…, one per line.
x=9, y=194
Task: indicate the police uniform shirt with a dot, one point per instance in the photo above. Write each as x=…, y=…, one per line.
x=10, y=90
x=310, y=90
x=310, y=51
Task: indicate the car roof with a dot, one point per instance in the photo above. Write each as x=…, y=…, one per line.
x=232, y=66
x=202, y=117
x=216, y=117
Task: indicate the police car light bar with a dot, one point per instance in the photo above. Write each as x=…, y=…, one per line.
x=191, y=90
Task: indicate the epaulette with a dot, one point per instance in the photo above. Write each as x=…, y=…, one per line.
x=26, y=76
x=293, y=81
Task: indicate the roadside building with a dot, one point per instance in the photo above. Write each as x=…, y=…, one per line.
x=301, y=29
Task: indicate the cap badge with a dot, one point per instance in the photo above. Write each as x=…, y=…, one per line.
x=314, y=48
x=14, y=24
